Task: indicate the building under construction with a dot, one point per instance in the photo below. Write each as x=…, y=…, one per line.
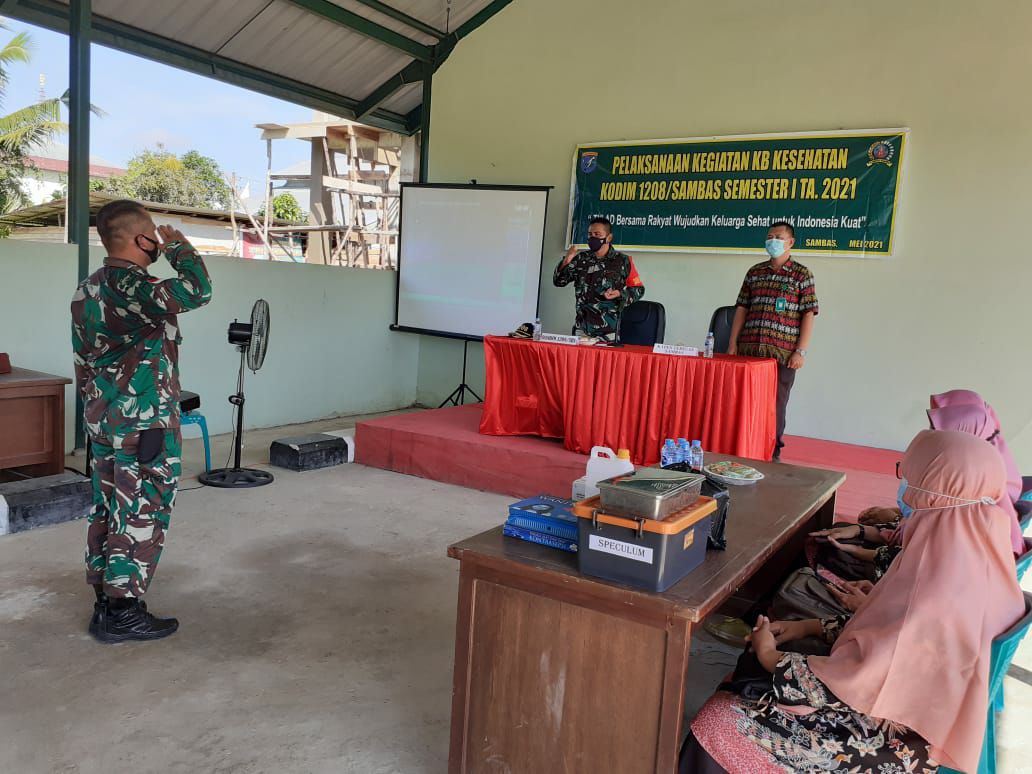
x=353, y=184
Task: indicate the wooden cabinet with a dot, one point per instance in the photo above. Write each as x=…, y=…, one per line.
x=32, y=421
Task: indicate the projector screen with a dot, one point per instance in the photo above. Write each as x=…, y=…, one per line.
x=469, y=258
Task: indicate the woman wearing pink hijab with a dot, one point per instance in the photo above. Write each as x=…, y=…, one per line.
x=961, y=410
x=970, y=397
x=978, y=419
x=905, y=687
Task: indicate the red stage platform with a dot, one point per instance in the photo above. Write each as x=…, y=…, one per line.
x=445, y=445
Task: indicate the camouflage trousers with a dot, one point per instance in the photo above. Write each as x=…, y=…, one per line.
x=132, y=504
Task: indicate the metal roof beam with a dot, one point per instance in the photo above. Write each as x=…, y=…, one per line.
x=443, y=49
x=411, y=73
x=411, y=21
x=363, y=26
x=54, y=15
x=468, y=26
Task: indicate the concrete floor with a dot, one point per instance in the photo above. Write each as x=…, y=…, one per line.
x=317, y=624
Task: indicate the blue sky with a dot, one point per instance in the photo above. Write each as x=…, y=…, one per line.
x=148, y=103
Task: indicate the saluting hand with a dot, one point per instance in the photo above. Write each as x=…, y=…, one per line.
x=169, y=234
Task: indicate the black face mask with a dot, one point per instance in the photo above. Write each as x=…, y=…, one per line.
x=595, y=244
x=152, y=252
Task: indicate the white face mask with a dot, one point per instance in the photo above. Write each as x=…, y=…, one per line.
x=907, y=510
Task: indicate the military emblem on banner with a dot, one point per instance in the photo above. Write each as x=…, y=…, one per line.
x=588, y=162
x=880, y=152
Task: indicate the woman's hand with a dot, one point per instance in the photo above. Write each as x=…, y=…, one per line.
x=849, y=532
x=787, y=631
x=853, y=594
x=765, y=644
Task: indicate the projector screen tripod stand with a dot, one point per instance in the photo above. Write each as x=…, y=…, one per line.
x=458, y=395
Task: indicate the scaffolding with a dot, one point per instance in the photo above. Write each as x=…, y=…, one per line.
x=353, y=182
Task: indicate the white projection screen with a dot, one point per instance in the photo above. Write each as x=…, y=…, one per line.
x=469, y=258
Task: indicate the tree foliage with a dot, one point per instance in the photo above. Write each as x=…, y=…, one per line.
x=24, y=130
x=191, y=180
x=284, y=207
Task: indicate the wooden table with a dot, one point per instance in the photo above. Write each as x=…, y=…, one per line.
x=559, y=672
x=32, y=421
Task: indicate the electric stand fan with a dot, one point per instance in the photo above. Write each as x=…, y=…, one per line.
x=251, y=339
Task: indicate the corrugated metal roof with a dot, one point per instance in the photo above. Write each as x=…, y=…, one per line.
x=406, y=100
x=260, y=44
x=53, y=212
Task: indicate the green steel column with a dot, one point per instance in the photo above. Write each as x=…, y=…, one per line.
x=79, y=152
x=424, y=124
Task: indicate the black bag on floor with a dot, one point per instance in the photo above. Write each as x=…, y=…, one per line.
x=804, y=595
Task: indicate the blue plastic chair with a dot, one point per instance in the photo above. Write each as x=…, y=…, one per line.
x=1022, y=562
x=197, y=418
x=1002, y=652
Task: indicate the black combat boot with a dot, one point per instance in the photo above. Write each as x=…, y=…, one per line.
x=102, y=600
x=121, y=620
x=98, y=606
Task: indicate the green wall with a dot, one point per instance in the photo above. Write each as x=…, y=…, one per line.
x=330, y=351
x=514, y=100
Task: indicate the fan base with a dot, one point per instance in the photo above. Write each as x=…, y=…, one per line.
x=235, y=478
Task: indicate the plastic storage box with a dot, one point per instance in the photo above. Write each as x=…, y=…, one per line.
x=649, y=553
x=651, y=493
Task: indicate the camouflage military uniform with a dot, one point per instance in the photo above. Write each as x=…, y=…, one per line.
x=126, y=339
x=592, y=277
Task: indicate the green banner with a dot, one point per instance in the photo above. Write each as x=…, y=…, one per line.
x=839, y=190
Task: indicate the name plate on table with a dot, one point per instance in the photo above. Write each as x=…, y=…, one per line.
x=558, y=338
x=675, y=349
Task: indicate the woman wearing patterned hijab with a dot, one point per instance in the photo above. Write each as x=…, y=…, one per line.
x=905, y=687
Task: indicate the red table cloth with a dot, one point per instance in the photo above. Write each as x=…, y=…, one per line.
x=629, y=397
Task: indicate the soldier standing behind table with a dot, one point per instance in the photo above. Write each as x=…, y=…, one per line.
x=125, y=337
x=605, y=281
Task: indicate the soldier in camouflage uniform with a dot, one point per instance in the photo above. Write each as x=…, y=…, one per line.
x=605, y=281
x=125, y=338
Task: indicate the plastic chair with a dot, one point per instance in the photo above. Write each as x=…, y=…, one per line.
x=1003, y=650
x=1024, y=507
x=643, y=322
x=1025, y=560
x=720, y=326
x=197, y=418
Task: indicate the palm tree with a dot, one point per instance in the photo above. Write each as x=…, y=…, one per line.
x=25, y=129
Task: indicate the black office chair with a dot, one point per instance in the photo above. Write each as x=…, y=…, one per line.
x=644, y=322
x=720, y=326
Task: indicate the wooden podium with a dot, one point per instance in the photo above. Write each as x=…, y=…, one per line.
x=32, y=422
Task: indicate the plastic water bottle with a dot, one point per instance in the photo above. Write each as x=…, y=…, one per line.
x=683, y=450
x=537, y=329
x=709, y=344
x=667, y=453
x=696, y=456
